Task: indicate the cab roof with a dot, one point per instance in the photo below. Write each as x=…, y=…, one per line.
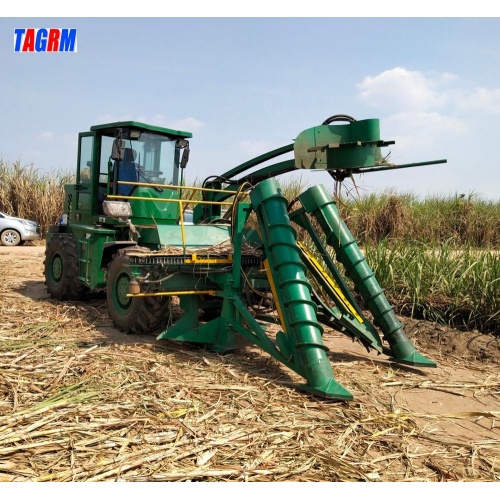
x=109, y=128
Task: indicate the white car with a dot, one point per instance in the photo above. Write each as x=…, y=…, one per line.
x=16, y=231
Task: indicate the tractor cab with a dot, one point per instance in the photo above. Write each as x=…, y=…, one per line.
x=126, y=152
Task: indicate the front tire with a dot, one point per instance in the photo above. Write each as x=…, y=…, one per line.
x=10, y=238
x=61, y=269
x=133, y=314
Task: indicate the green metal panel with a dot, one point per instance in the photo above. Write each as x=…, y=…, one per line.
x=151, y=209
x=225, y=281
x=347, y=315
x=84, y=202
x=90, y=244
x=86, y=185
x=196, y=236
x=338, y=146
x=301, y=340
x=318, y=203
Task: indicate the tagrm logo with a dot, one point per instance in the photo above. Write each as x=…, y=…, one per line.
x=45, y=40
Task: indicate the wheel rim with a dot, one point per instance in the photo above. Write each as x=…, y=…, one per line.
x=121, y=302
x=10, y=238
x=56, y=269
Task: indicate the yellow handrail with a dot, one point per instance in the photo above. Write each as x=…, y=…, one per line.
x=172, y=293
x=173, y=186
x=239, y=193
x=167, y=200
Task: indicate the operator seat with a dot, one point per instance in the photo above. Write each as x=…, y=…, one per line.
x=128, y=171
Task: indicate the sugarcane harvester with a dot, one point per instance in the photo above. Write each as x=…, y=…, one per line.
x=239, y=266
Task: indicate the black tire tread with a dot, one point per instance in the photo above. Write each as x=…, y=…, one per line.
x=148, y=314
x=70, y=287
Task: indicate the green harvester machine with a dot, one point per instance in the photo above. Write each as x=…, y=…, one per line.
x=237, y=266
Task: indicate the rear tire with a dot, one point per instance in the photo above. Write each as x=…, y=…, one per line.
x=133, y=314
x=61, y=269
x=10, y=238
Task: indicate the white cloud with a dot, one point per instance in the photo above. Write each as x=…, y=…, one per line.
x=71, y=138
x=426, y=120
x=109, y=118
x=30, y=155
x=426, y=114
x=47, y=136
x=480, y=99
x=401, y=89
x=188, y=124
x=421, y=130
x=253, y=148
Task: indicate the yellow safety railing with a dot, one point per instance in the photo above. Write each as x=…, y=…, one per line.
x=179, y=201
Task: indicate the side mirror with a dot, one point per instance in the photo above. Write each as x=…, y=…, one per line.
x=118, y=150
x=185, y=157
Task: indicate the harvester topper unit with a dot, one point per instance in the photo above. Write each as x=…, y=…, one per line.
x=238, y=266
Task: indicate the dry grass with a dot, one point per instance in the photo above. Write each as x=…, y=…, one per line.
x=376, y=217
x=456, y=286
x=76, y=404
x=463, y=220
x=26, y=193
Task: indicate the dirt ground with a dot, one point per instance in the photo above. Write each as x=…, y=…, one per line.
x=456, y=406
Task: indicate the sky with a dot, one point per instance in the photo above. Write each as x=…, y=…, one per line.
x=247, y=83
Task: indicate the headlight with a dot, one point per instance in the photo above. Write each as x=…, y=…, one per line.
x=29, y=223
x=117, y=209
